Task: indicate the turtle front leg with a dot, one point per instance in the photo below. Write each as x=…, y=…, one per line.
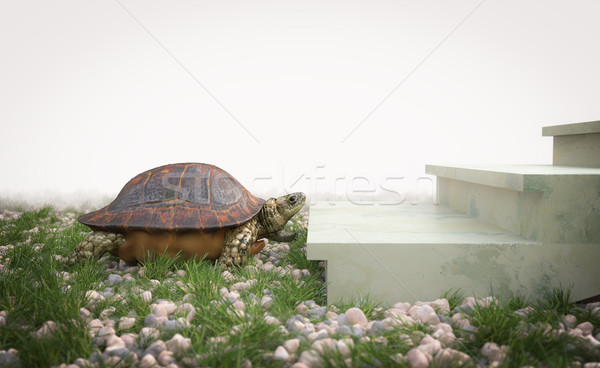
x=95, y=245
x=238, y=242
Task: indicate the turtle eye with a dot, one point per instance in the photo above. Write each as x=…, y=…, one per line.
x=292, y=198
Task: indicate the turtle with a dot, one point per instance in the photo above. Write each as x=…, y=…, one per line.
x=192, y=210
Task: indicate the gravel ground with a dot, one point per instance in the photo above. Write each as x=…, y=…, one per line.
x=322, y=327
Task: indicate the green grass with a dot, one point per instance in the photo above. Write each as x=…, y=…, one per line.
x=371, y=308
x=34, y=290
x=532, y=339
x=454, y=297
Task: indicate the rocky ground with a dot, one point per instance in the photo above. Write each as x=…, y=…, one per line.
x=315, y=334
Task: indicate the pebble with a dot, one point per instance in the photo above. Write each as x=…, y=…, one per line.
x=310, y=303
x=444, y=333
x=441, y=306
x=294, y=326
x=417, y=359
x=96, y=325
x=164, y=308
x=310, y=358
x=266, y=302
x=120, y=352
x=155, y=348
x=424, y=313
x=146, y=296
x=570, y=320
x=80, y=362
x=524, y=312
x=297, y=274
x=301, y=308
x=241, y=286
x=357, y=331
x=84, y=313
x=322, y=345
x=342, y=320
x=106, y=313
x=429, y=345
x=165, y=358
x=378, y=328
x=403, y=306
x=281, y=353
x=272, y=321
x=312, y=336
x=343, y=330
x=228, y=276
x=463, y=324
x=127, y=278
x=47, y=330
x=239, y=305
x=317, y=313
x=114, y=279
x=148, y=361
x=179, y=344
x=451, y=358
x=593, y=342
x=149, y=333
x=129, y=339
x=105, y=332
x=126, y=323
x=491, y=350
x=171, y=325
x=94, y=296
x=586, y=328
x=343, y=348
x=291, y=345
x=300, y=365
x=356, y=316
x=150, y=320
x=268, y=267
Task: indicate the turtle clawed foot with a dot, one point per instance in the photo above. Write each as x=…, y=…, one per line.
x=258, y=246
x=283, y=236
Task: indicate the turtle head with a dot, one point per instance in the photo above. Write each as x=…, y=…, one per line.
x=289, y=205
x=277, y=212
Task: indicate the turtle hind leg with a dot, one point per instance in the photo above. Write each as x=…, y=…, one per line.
x=95, y=245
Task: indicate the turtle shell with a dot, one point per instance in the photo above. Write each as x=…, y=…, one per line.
x=177, y=197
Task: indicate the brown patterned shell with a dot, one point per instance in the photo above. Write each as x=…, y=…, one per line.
x=177, y=197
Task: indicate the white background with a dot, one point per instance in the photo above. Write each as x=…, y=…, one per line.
x=280, y=92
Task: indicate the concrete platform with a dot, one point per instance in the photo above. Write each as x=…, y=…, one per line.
x=408, y=253
x=551, y=204
x=575, y=144
x=522, y=178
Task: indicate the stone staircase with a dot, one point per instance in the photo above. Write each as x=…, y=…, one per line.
x=510, y=228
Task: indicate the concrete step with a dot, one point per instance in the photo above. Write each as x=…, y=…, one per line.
x=407, y=253
x=575, y=144
x=550, y=204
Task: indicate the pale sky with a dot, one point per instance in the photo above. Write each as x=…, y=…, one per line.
x=280, y=92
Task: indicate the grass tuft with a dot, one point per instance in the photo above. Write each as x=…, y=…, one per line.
x=454, y=297
x=371, y=308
